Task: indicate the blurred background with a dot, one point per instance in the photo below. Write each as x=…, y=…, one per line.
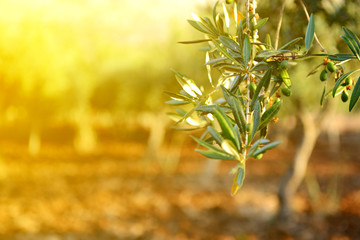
x=86, y=148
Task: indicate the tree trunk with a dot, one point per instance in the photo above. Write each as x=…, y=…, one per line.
x=296, y=173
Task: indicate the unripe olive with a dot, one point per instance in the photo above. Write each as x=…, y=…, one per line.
x=259, y=156
x=286, y=91
x=331, y=66
x=323, y=75
x=284, y=64
x=348, y=81
x=344, y=96
x=229, y=1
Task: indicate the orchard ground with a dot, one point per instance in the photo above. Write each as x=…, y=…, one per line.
x=113, y=193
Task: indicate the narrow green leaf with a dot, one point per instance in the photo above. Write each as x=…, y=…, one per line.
x=257, y=119
x=355, y=95
x=229, y=43
x=195, y=41
x=224, y=52
x=177, y=102
x=256, y=144
x=207, y=145
x=338, y=82
x=215, y=154
x=350, y=34
x=268, y=41
x=225, y=124
x=211, y=108
x=350, y=45
x=290, y=43
x=269, y=114
x=309, y=36
x=214, y=11
x=246, y=50
x=210, y=25
x=220, y=24
x=323, y=96
x=285, y=77
x=261, y=23
x=237, y=109
x=216, y=60
x=238, y=180
x=238, y=135
x=176, y=96
x=218, y=138
x=265, y=148
x=271, y=53
x=261, y=66
x=232, y=68
x=315, y=70
x=264, y=82
x=341, y=57
x=230, y=148
x=198, y=27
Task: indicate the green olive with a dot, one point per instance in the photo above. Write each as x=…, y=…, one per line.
x=348, y=81
x=259, y=156
x=284, y=64
x=331, y=66
x=229, y=1
x=286, y=91
x=344, y=96
x=323, y=75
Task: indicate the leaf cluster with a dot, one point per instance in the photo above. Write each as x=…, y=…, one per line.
x=247, y=95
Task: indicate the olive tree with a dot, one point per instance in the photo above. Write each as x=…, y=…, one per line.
x=248, y=79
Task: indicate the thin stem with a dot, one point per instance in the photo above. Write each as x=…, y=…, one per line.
x=308, y=17
x=247, y=15
x=279, y=24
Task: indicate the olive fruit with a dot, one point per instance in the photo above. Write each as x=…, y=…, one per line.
x=331, y=66
x=284, y=64
x=344, y=96
x=348, y=81
x=259, y=156
x=229, y=1
x=323, y=75
x=286, y=91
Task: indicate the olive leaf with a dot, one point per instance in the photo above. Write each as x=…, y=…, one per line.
x=264, y=82
x=246, y=50
x=238, y=179
x=229, y=43
x=213, y=152
x=217, y=137
x=340, y=79
x=309, y=35
x=226, y=126
x=261, y=23
x=256, y=120
x=265, y=148
x=290, y=43
x=269, y=114
x=355, y=95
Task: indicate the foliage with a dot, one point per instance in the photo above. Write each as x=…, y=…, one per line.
x=251, y=80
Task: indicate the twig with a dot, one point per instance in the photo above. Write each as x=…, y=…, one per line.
x=247, y=15
x=279, y=24
x=308, y=17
